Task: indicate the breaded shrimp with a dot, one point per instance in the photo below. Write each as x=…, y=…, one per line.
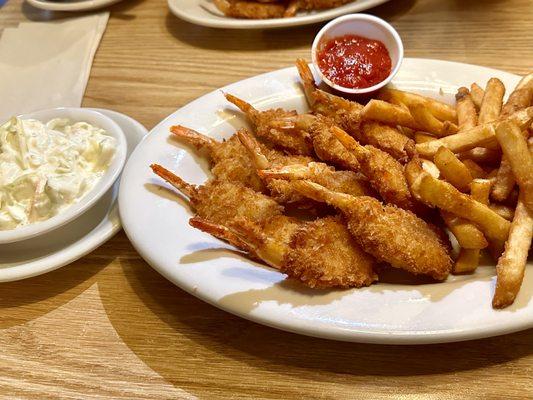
x=320, y=254
x=388, y=233
x=221, y=201
x=229, y=159
x=274, y=168
x=348, y=182
x=388, y=139
x=344, y=113
x=297, y=142
x=386, y=174
x=250, y=9
x=323, y=254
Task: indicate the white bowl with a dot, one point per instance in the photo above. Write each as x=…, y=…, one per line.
x=367, y=26
x=110, y=176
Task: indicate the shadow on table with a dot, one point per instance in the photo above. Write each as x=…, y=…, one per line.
x=25, y=300
x=264, y=39
x=219, y=336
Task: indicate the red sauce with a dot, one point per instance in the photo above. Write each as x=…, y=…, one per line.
x=353, y=61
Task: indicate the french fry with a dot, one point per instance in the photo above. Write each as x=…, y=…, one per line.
x=468, y=235
x=462, y=141
x=467, y=261
x=437, y=193
x=481, y=155
x=491, y=105
x=521, y=97
x=475, y=170
x=503, y=210
x=452, y=169
x=515, y=148
x=427, y=122
x=388, y=114
x=511, y=265
x=422, y=137
x=477, y=94
x=466, y=110
x=481, y=135
x=438, y=109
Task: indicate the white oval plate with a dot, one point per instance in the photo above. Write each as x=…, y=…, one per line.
x=204, y=12
x=156, y=221
x=72, y=241
x=83, y=5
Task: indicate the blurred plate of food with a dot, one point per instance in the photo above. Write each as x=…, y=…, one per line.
x=264, y=14
x=331, y=225
x=74, y=5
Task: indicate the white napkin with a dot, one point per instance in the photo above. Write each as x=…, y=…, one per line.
x=47, y=64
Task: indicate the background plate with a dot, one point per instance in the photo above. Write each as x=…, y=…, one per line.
x=204, y=12
x=458, y=309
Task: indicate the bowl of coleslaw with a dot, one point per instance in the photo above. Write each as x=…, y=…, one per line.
x=55, y=165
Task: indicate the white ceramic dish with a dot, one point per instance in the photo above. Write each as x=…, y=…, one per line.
x=100, y=188
x=72, y=241
x=369, y=27
x=387, y=312
x=204, y=12
x=83, y=5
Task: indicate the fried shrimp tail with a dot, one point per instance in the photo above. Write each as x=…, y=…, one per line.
x=388, y=233
x=191, y=191
x=275, y=126
x=223, y=233
x=197, y=139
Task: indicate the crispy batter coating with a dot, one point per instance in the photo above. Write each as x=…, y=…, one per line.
x=276, y=127
x=388, y=139
x=323, y=254
x=386, y=175
x=250, y=9
x=221, y=201
x=320, y=254
x=230, y=161
x=344, y=113
x=388, y=233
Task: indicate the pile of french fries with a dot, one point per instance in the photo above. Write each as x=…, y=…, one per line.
x=475, y=165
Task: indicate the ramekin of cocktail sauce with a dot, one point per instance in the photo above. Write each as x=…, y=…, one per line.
x=357, y=53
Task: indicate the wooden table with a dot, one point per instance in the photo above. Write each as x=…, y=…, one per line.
x=109, y=326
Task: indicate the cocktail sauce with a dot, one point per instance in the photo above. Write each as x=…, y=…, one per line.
x=354, y=62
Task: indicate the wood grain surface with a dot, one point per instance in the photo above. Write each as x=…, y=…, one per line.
x=108, y=326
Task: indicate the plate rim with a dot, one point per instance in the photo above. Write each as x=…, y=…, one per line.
x=348, y=335
x=273, y=23
x=82, y=5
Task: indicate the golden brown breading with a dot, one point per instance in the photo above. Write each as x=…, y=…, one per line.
x=388, y=139
x=344, y=113
x=250, y=9
x=271, y=125
x=221, y=201
x=348, y=182
x=229, y=159
x=323, y=254
x=386, y=175
x=388, y=233
x=320, y=254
